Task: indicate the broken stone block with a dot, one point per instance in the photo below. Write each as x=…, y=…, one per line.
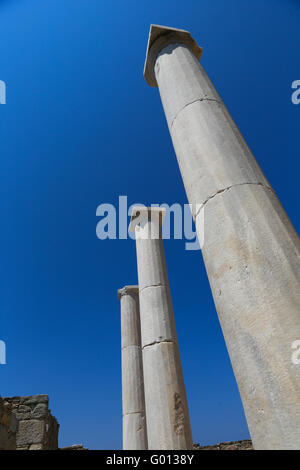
x=40, y=411
x=36, y=447
x=23, y=412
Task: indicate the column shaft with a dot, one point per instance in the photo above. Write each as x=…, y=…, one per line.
x=168, y=423
x=251, y=250
x=133, y=400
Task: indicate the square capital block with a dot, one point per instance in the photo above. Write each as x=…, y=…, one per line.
x=159, y=38
x=142, y=214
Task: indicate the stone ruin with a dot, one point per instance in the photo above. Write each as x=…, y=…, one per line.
x=26, y=423
x=250, y=255
x=232, y=445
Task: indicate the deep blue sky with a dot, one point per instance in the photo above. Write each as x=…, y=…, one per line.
x=80, y=128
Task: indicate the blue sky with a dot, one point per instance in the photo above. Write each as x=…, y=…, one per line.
x=80, y=128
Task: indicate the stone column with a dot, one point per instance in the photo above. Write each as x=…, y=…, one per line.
x=168, y=423
x=251, y=250
x=133, y=400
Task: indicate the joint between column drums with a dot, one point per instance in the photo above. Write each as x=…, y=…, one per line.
x=154, y=285
x=192, y=102
x=134, y=413
x=227, y=189
x=159, y=342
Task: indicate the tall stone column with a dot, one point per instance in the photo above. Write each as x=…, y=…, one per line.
x=251, y=250
x=133, y=399
x=168, y=423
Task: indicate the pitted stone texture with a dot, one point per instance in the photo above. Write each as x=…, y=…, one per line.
x=157, y=318
x=135, y=437
x=251, y=248
x=34, y=400
x=166, y=404
x=40, y=411
x=34, y=424
x=175, y=64
x=23, y=412
x=30, y=432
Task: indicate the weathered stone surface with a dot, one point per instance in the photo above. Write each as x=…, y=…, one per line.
x=36, y=447
x=212, y=154
x=168, y=424
x=30, y=432
x=40, y=411
x=23, y=412
x=7, y=426
x=135, y=431
x=6, y=414
x=212, y=168
x=74, y=447
x=51, y=437
x=133, y=399
x=199, y=87
x=31, y=422
x=13, y=424
x=166, y=404
x=132, y=380
x=35, y=399
x=158, y=315
x=251, y=250
x=233, y=445
x=152, y=272
x=255, y=251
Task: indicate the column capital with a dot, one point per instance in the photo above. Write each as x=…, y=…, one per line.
x=128, y=290
x=159, y=38
x=141, y=213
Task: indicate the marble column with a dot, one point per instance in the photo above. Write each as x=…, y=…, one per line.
x=251, y=250
x=168, y=423
x=133, y=399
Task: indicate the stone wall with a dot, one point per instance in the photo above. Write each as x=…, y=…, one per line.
x=233, y=445
x=30, y=421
